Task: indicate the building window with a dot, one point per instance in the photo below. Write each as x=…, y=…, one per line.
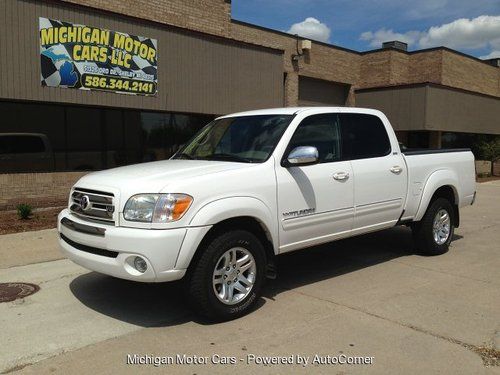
x=74, y=138
x=467, y=140
x=418, y=140
x=84, y=139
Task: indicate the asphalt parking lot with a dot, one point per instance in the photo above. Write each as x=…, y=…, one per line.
x=369, y=296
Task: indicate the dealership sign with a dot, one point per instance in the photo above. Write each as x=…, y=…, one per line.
x=90, y=58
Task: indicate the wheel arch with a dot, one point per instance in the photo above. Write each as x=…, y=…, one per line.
x=441, y=184
x=231, y=213
x=248, y=223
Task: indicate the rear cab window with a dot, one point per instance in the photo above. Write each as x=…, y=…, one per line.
x=363, y=136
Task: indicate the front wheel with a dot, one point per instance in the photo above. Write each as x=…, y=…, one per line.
x=226, y=280
x=433, y=234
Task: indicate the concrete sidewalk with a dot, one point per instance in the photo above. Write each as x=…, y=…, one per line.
x=28, y=247
x=368, y=296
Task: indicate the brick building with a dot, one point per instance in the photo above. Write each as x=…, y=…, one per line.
x=61, y=118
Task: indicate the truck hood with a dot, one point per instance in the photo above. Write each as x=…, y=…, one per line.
x=153, y=177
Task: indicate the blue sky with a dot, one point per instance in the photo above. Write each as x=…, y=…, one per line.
x=470, y=26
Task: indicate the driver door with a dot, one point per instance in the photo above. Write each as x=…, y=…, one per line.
x=315, y=202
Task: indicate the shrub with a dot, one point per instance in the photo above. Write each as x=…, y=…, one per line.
x=490, y=150
x=24, y=211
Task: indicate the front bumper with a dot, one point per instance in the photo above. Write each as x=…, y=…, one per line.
x=111, y=250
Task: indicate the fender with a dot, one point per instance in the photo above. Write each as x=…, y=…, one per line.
x=436, y=180
x=220, y=210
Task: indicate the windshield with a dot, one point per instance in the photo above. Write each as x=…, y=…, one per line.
x=249, y=139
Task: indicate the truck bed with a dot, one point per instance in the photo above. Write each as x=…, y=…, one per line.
x=429, y=167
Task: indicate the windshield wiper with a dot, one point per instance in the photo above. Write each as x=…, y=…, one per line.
x=183, y=156
x=230, y=157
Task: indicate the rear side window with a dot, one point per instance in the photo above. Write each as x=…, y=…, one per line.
x=321, y=131
x=363, y=136
x=21, y=144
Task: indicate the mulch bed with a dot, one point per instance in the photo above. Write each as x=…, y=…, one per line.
x=40, y=219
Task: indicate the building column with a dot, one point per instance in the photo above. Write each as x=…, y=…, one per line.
x=351, y=97
x=291, y=89
x=435, y=139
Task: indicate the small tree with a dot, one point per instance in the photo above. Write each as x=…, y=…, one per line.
x=490, y=150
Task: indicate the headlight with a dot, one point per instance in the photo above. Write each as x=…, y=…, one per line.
x=156, y=208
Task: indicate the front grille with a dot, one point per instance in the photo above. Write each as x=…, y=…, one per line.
x=93, y=205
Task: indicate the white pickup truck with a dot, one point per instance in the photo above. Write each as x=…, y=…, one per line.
x=253, y=185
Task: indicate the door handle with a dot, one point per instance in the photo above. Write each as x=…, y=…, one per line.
x=396, y=169
x=341, y=176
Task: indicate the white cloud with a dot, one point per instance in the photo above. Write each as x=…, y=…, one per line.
x=477, y=33
x=491, y=55
x=464, y=33
x=386, y=35
x=311, y=28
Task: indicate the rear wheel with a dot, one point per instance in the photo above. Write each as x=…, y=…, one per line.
x=227, y=279
x=433, y=234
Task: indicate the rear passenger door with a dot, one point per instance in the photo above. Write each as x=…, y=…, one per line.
x=380, y=175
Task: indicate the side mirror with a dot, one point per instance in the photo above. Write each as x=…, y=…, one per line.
x=302, y=155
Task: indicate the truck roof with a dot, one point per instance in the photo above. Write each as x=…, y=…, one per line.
x=296, y=110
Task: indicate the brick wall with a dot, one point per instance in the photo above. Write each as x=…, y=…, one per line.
x=37, y=189
x=426, y=66
x=459, y=71
x=390, y=67
x=375, y=69
x=322, y=62
x=210, y=16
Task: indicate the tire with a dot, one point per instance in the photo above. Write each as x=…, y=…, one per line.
x=423, y=231
x=204, y=294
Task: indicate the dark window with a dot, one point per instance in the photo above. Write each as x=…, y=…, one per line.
x=476, y=142
x=164, y=133
x=182, y=129
x=321, y=131
x=132, y=137
x=418, y=140
x=67, y=137
x=114, y=138
x=28, y=119
x=363, y=136
x=154, y=128
x=21, y=144
x=85, y=144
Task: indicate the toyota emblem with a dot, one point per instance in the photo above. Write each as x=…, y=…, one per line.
x=85, y=203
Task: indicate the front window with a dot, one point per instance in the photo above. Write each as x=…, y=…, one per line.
x=249, y=139
x=321, y=131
